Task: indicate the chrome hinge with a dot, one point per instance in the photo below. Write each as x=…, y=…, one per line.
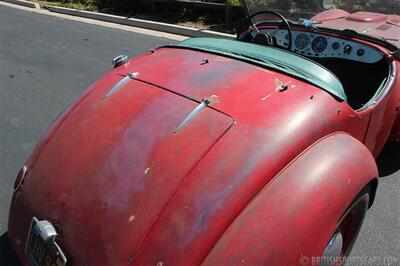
x=203, y=104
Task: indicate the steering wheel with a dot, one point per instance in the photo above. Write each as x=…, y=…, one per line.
x=266, y=38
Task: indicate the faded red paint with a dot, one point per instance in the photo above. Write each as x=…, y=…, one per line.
x=374, y=24
x=280, y=228
x=130, y=154
x=125, y=189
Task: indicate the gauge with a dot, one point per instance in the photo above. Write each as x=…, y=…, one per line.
x=319, y=44
x=302, y=41
x=335, y=46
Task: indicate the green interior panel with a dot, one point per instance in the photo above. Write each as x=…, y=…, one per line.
x=269, y=57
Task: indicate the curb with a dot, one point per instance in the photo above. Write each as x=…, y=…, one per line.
x=140, y=23
x=23, y=3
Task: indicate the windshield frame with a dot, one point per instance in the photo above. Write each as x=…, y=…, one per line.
x=246, y=8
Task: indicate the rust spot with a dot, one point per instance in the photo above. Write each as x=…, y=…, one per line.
x=204, y=61
x=311, y=97
x=147, y=170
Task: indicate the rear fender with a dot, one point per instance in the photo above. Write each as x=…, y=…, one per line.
x=297, y=213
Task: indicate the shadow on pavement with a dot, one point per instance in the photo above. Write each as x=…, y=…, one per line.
x=7, y=253
x=389, y=159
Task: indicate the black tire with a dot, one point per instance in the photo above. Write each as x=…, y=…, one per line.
x=347, y=230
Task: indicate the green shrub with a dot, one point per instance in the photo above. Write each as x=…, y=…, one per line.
x=234, y=2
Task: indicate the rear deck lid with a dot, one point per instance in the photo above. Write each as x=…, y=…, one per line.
x=111, y=166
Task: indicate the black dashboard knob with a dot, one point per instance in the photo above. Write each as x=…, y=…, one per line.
x=360, y=52
x=347, y=49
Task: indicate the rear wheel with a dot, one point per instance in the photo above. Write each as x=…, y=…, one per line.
x=342, y=241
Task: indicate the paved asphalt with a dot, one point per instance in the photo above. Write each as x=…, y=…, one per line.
x=46, y=61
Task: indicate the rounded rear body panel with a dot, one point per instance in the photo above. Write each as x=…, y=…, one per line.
x=123, y=185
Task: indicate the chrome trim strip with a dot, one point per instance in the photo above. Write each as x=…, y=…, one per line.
x=117, y=86
x=203, y=104
x=23, y=173
x=192, y=114
x=120, y=83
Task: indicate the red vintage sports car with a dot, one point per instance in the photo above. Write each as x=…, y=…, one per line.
x=252, y=151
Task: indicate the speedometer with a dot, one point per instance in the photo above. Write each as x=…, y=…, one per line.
x=302, y=41
x=319, y=44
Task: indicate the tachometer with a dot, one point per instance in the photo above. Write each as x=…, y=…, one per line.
x=319, y=44
x=302, y=41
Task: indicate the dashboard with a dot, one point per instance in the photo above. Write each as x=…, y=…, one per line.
x=313, y=44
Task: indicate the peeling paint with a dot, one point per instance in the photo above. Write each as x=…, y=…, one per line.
x=147, y=170
x=133, y=75
x=266, y=97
